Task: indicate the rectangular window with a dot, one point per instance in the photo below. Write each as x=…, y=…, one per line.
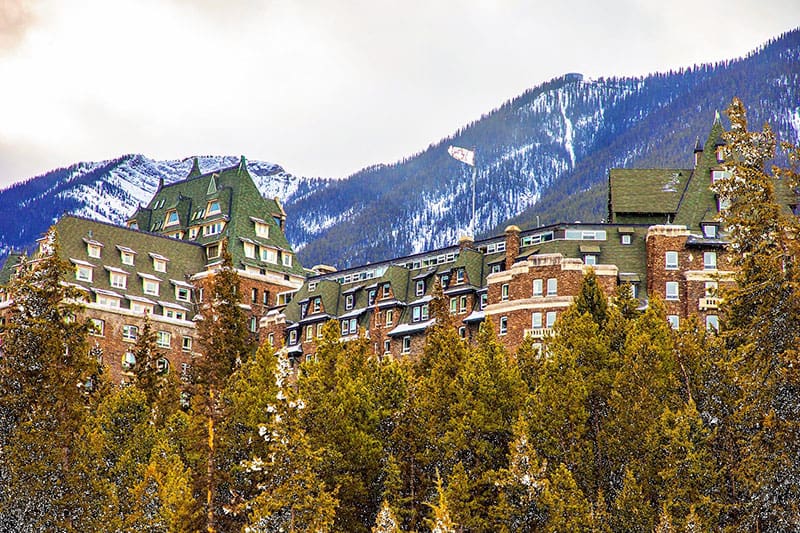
x=552, y=286
x=127, y=258
x=710, y=260
x=712, y=323
x=163, y=339
x=462, y=332
x=265, y=297
x=674, y=321
x=406, y=344
x=672, y=290
x=538, y=287
x=462, y=304
x=159, y=265
x=129, y=332
x=93, y=250
x=504, y=292
x=389, y=317
x=371, y=297
x=453, y=305
x=671, y=259
x=387, y=346
x=503, y=325
x=213, y=229
x=590, y=259
x=348, y=302
x=345, y=327
x=550, y=319
x=319, y=330
x=186, y=344
x=536, y=320
x=293, y=337
x=625, y=239
x=83, y=273
x=253, y=324
x=254, y=295
x=424, y=311
x=710, y=231
x=182, y=294
x=150, y=286
x=262, y=230
x=484, y=300
x=250, y=250
x=387, y=290
x=141, y=308
x=712, y=289
x=287, y=259
x=107, y=301
x=193, y=232
x=309, y=333
x=495, y=268
x=269, y=255
x=460, y=275
x=420, y=287
x=118, y=280
x=98, y=326
x=317, y=305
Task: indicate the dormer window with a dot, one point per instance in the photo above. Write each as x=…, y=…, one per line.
x=249, y=250
x=269, y=255
x=460, y=276
x=303, y=310
x=171, y=218
x=317, y=305
x=93, y=249
x=83, y=270
x=287, y=259
x=387, y=290
x=348, y=302
x=262, y=229
x=159, y=265
x=118, y=280
x=371, y=297
x=193, y=233
x=213, y=208
x=710, y=231
x=213, y=229
x=419, y=313
x=127, y=256
x=420, y=287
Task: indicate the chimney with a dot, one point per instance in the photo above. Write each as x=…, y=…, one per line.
x=466, y=243
x=512, y=245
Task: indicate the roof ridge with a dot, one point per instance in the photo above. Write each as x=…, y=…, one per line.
x=125, y=228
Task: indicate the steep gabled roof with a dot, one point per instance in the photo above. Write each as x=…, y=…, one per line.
x=647, y=191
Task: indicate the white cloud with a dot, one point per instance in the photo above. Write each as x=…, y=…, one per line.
x=323, y=88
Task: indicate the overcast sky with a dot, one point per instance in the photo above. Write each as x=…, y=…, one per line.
x=322, y=87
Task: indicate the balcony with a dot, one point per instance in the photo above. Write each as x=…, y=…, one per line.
x=538, y=333
x=710, y=303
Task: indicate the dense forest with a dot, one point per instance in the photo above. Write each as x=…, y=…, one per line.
x=618, y=423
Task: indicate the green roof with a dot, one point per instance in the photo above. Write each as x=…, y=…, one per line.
x=183, y=259
x=648, y=191
x=228, y=197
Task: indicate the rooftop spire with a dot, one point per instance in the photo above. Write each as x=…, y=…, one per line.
x=195, y=169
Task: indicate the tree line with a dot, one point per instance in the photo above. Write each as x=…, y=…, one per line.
x=617, y=423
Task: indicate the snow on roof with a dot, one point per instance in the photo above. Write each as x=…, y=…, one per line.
x=403, y=329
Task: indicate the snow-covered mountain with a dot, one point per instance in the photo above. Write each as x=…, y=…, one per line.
x=111, y=190
x=543, y=157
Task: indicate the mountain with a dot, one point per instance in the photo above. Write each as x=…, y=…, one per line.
x=111, y=190
x=543, y=157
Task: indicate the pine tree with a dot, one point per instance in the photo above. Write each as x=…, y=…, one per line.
x=567, y=508
x=631, y=511
x=519, y=506
x=290, y=495
x=440, y=521
x=386, y=522
x=351, y=402
x=47, y=383
x=226, y=345
x=762, y=327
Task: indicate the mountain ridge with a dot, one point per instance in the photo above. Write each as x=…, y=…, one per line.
x=543, y=157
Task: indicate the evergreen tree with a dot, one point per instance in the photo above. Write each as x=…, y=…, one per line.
x=226, y=344
x=440, y=521
x=47, y=383
x=567, y=508
x=290, y=494
x=351, y=399
x=519, y=506
x=631, y=510
x=762, y=327
x=386, y=522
